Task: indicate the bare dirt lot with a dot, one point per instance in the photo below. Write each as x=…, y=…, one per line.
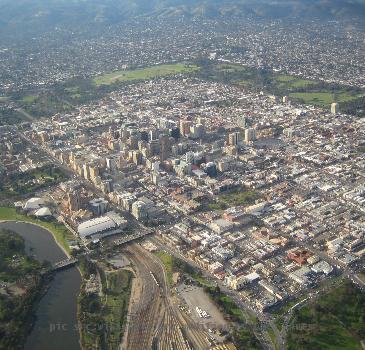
x=196, y=297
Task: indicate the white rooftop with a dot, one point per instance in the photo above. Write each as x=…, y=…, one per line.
x=33, y=203
x=43, y=212
x=90, y=227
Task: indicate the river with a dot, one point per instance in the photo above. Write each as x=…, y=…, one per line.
x=56, y=315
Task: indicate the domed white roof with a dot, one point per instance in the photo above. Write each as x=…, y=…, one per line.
x=33, y=203
x=43, y=212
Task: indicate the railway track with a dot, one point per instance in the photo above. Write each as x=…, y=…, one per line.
x=144, y=312
x=156, y=323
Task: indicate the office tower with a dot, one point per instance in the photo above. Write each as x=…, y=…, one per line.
x=197, y=131
x=234, y=138
x=99, y=206
x=211, y=169
x=189, y=157
x=86, y=171
x=334, y=108
x=110, y=164
x=250, y=135
x=153, y=134
x=242, y=122
x=185, y=127
x=73, y=201
x=165, y=147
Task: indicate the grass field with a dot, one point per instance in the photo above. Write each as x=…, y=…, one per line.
x=323, y=99
x=60, y=232
x=289, y=81
x=168, y=263
x=116, y=301
x=301, y=90
x=144, y=73
x=29, y=99
x=239, y=197
x=334, y=321
x=229, y=68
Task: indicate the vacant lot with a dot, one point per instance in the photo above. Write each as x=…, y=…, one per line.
x=196, y=297
x=144, y=73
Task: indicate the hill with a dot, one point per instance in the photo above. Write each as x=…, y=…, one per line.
x=34, y=16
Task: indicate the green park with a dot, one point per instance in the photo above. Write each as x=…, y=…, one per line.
x=144, y=73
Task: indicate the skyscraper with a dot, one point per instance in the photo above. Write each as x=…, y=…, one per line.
x=185, y=127
x=250, y=135
x=234, y=138
x=242, y=122
x=73, y=201
x=334, y=108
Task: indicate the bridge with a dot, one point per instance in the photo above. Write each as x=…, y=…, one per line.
x=63, y=264
x=131, y=238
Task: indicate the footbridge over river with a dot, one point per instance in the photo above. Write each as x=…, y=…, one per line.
x=64, y=264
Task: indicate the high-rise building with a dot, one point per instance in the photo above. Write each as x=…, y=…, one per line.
x=201, y=120
x=197, y=131
x=94, y=171
x=250, y=135
x=43, y=136
x=153, y=134
x=334, y=108
x=86, y=171
x=189, y=157
x=99, y=206
x=289, y=132
x=137, y=157
x=242, y=122
x=165, y=147
x=211, y=169
x=110, y=164
x=185, y=127
x=174, y=132
x=73, y=201
x=234, y=138
x=144, y=135
x=107, y=186
x=153, y=147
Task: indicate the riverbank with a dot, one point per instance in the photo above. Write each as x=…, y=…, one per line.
x=103, y=305
x=24, y=282
x=53, y=326
x=59, y=232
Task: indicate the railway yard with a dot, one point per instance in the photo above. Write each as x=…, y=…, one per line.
x=155, y=320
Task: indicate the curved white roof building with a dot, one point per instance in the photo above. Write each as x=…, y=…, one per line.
x=43, y=212
x=33, y=203
x=101, y=226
